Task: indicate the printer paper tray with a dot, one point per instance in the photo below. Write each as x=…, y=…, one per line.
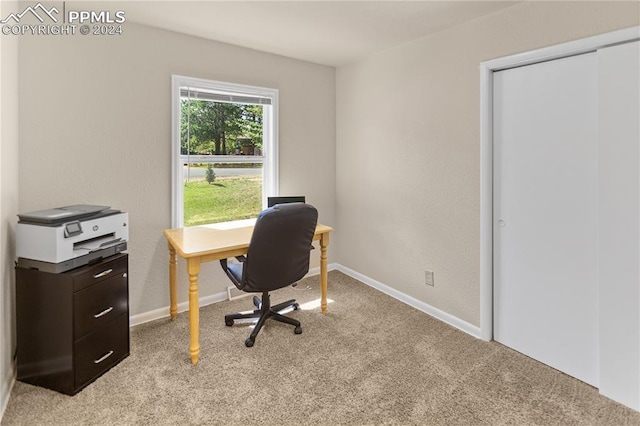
x=76, y=262
x=95, y=244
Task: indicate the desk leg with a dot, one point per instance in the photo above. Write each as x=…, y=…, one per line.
x=193, y=266
x=173, y=297
x=324, y=243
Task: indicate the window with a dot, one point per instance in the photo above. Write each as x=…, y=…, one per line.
x=224, y=150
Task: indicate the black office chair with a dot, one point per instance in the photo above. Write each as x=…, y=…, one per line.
x=278, y=256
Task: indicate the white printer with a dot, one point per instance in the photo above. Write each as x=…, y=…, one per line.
x=65, y=238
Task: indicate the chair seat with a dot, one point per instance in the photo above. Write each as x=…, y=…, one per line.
x=235, y=269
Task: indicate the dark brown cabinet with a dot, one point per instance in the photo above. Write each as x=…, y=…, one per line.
x=73, y=326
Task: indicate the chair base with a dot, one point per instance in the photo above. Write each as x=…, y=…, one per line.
x=264, y=312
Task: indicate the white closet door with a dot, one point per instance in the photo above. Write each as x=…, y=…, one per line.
x=619, y=216
x=545, y=213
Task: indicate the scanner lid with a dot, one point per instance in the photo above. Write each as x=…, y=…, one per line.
x=61, y=215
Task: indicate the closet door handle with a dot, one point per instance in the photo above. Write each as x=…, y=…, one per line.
x=103, y=273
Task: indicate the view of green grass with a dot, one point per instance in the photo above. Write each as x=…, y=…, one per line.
x=228, y=198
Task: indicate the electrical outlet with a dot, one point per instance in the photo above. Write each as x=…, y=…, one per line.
x=428, y=278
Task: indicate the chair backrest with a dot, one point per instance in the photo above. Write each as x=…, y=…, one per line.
x=278, y=253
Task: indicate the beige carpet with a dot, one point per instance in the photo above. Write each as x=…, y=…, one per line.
x=371, y=360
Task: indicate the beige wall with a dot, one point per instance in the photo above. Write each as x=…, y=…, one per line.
x=95, y=127
x=8, y=202
x=408, y=151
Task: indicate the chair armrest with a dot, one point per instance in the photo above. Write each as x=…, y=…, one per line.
x=223, y=262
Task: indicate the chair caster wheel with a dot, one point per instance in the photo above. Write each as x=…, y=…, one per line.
x=295, y=306
x=298, y=330
x=248, y=343
x=228, y=323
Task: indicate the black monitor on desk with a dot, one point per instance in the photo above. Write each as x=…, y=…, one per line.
x=272, y=201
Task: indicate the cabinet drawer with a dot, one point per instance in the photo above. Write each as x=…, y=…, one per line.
x=99, y=304
x=86, y=277
x=100, y=350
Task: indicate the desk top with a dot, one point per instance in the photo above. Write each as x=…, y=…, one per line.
x=203, y=240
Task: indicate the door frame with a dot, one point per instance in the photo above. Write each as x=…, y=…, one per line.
x=487, y=68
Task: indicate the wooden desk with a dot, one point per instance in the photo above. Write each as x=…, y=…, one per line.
x=205, y=244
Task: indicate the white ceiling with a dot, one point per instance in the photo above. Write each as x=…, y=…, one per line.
x=325, y=32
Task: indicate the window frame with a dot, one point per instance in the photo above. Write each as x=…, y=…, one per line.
x=269, y=157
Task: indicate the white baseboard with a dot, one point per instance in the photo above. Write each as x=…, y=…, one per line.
x=204, y=301
x=5, y=390
x=411, y=301
x=182, y=307
x=316, y=270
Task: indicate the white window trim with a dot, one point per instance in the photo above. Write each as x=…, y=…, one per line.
x=270, y=141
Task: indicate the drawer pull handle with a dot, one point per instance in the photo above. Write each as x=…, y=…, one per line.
x=105, y=312
x=107, y=355
x=103, y=273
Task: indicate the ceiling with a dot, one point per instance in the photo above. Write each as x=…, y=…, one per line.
x=326, y=32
